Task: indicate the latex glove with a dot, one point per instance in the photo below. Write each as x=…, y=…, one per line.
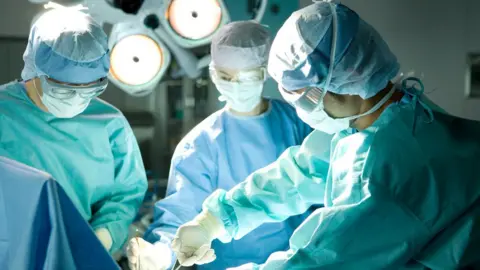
x=105, y=238
x=143, y=255
x=192, y=243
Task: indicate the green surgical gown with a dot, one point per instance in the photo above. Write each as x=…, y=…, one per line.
x=93, y=156
x=404, y=193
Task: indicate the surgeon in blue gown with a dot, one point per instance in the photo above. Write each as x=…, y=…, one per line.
x=52, y=121
x=400, y=186
x=246, y=135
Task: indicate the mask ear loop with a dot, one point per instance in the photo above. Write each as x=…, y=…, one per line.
x=416, y=91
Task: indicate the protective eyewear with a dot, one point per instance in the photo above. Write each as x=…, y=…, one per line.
x=309, y=100
x=65, y=91
x=248, y=76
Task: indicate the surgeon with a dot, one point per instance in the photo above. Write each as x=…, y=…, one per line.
x=401, y=185
x=249, y=133
x=52, y=120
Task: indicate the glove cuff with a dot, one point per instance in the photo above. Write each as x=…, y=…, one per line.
x=105, y=238
x=211, y=224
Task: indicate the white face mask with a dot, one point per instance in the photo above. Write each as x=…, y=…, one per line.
x=62, y=108
x=241, y=97
x=320, y=120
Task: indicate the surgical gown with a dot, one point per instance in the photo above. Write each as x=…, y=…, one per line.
x=93, y=156
x=219, y=153
x=40, y=228
x=403, y=193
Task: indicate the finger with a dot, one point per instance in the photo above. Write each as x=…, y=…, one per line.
x=176, y=244
x=133, y=259
x=195, y=257
x=189, y=261
x=133, y=266
x=208, y=257
x=201, y=251
x=132, y=245
x=132, y=252
x=185, y=260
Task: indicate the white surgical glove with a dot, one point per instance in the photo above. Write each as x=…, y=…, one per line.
x=144, y=256
x=192, y=244
x=104, y=236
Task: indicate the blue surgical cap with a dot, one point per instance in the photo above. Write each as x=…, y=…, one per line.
x=301, y=52
x=67, y=45
x=241, y=45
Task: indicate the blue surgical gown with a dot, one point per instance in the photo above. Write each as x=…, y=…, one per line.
x=219, y=153
x=40, y=228
x=93, y=156
x=403, y=193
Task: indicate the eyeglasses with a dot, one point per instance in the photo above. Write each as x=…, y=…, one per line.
x=248, y=76
x=310, y=99
x=64, y=91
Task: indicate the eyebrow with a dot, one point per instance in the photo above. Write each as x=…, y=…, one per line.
x=223, y=73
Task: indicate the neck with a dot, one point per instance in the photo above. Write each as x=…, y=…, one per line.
x=259, y=109
x=367, y=120
x=34, y=92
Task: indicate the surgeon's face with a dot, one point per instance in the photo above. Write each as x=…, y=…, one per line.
x=335, y=105
x=340, y=106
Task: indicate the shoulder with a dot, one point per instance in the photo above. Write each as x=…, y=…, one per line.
x=102, y=112
x=390, y=158
x=10, y=85
x=98, y=106
x=10, y=90
x=287, y=114
x=285, y=111
x=282, y=106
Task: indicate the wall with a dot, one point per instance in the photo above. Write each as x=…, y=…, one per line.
x=432, y=38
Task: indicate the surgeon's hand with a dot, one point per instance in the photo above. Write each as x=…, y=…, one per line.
x=144, y=256
x=105, y=238
x=192, y=244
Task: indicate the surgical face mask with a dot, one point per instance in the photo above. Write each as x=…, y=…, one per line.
x=243, y=93
x=320, y=120
x=241, y=97
x=67, y=101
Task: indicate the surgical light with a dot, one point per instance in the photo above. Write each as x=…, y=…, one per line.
x=194, y=19
x=138, y=59
x=191, y=23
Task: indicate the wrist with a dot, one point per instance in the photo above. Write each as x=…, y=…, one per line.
x=212, y=224
x=105, y=238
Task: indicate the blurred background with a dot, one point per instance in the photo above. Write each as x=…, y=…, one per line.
x=159, y=53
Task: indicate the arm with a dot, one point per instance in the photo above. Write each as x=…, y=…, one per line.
x=287, y=187
x=373, y=220
x=120, y=207
x=191, y=180
x=375, y=233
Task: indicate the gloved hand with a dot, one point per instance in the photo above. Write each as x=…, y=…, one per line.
x=104, y=236
x=192, y=244
x=144, y=256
